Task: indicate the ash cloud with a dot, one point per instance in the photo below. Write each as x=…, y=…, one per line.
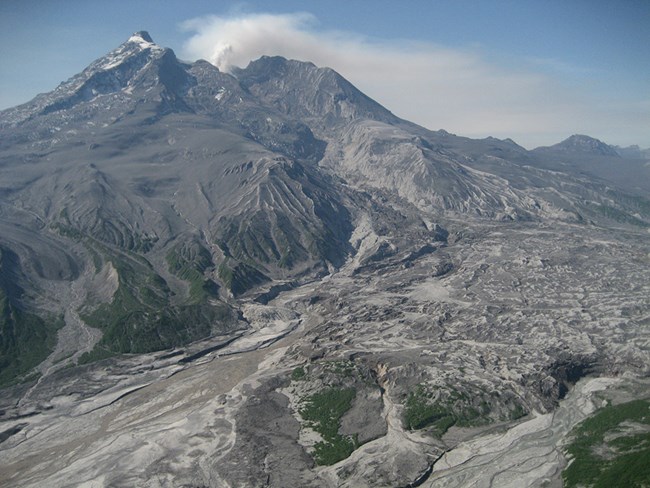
x=459, y=90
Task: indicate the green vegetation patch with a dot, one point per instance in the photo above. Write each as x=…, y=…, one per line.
x=67, y=231
x=342, y=368
x=239, y=277
x=109, y=231
x=98, y=353
x=421, y=411
x=270, y=239
x=189, y=261
x=298, y=374
x=611, y=448
x=26, y=339
x=323, y=412
x=146, y=330
x=140, y=318
x=439, y=409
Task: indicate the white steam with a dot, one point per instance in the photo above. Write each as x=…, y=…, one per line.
x=459, y=90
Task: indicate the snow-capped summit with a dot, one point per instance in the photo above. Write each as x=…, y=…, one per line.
x=139, y=41
x=141, y=36
x=136, y=62
x=143, y=40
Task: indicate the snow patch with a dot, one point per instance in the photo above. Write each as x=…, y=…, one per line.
x=220, y=94
x=144, y=44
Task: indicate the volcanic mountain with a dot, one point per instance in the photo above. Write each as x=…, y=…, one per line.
x=149, y=204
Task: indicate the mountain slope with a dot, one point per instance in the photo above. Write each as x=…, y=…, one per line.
x=436, y=171
x=141, y=155
x=269, y=266
x=266, y=172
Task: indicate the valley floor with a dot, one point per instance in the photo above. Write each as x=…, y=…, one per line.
x=504, y=320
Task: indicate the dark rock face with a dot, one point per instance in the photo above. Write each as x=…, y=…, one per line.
x=266, y=438
x=568, y=373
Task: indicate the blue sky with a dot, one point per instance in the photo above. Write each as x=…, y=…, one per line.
x=533, y=71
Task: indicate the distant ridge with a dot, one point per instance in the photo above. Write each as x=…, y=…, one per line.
x=581, y=144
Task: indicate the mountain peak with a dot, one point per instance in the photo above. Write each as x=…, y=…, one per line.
x=144, y=35
x=582, y=144
x=302, y=88
x=580, y=139
x=137, y=62
x=268, y=67
x=135, y=45
x=587, y=144
x=142, y=39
